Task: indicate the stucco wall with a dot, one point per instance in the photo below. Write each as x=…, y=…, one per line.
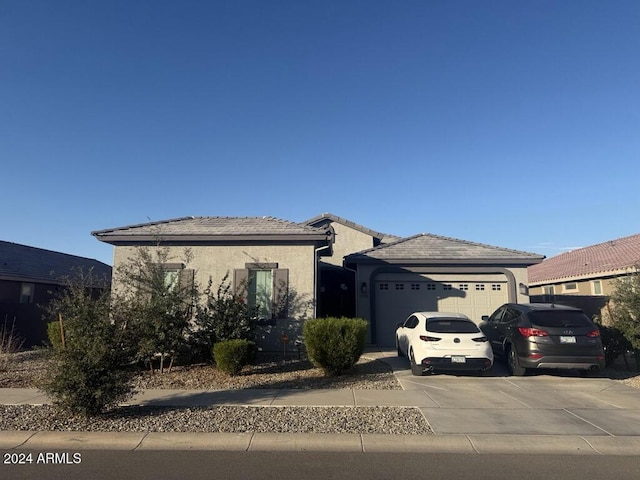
x=347, y=241
x=216, y=261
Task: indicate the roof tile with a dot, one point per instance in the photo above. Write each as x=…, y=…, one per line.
x=614, y=255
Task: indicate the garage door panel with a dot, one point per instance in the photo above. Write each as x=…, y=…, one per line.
x=397, y=296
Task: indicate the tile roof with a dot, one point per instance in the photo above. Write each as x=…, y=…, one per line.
x=24, y=263
x=383, y=237
x=427, y=247
x=612, y=256
x=212, y=228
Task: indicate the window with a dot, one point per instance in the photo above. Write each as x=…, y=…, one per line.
x=596, y=287
x=464, y=286
x=260, y=292
x=496, y=287
x=399, y=286
x=26, y=293
x=431, y=286
x=446, y=286
x=384, y=286
x=415, y=286
x=548, y=290
x=570, y=287
x=264, y=287
x=479, y=286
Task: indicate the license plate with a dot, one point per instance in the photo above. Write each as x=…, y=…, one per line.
x=567, y=339
x=458, y=359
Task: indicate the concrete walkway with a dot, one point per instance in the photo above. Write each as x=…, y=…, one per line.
x=558, y=413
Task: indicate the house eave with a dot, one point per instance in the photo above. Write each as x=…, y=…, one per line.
x=446, y=261
x=582, y=277
x=210, y=239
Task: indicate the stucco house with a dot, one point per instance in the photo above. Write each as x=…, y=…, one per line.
x=585, y=277
x=29, y=278
x=328, y=265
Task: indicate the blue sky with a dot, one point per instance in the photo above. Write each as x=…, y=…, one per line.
x=512, y=123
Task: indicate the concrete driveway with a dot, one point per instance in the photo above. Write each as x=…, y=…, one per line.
x=543, y=403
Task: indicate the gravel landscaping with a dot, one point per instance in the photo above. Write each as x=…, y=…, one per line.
x=28, y=368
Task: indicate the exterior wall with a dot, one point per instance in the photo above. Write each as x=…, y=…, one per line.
x=214, y=262
x=347, y=241
x=585, y=287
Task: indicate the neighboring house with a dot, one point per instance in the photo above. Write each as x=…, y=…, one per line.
x=585, y=277
x=330, y=266
x=275, y=258
x=433, y=273
x=29, y=278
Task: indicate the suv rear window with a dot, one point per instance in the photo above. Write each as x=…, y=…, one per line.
x=559, y=318
x=452, y=326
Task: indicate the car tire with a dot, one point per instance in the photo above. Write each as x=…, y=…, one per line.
x=416, y=370
x=513, y=363
x=400, y=354
x=591, y=372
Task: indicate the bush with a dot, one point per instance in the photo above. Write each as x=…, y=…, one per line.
x=614, y=342
x=54, y=335
x=90, y=373
x=231, y=355
x=335, y=344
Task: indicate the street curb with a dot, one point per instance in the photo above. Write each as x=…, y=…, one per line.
x=366, y=443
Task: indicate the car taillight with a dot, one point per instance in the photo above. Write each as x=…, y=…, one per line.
x=429, y=339
x=594, y=333
x=532, y=332
x=480, y=339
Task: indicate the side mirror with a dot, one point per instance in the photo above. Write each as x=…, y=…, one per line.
x=485, y=318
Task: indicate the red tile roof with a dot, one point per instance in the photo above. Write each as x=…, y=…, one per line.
x=611, y=256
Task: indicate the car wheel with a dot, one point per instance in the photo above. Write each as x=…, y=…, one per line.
x=592, y=372
x=400, y=354
x=416, y=369
x=514, y=364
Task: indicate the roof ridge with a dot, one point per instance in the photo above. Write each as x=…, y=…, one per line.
x=348, y=223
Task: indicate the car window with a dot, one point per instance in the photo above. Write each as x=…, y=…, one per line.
x=510, y=314
x=559, y=318
x=411, y=322
x=497, y=315
x=447, y=325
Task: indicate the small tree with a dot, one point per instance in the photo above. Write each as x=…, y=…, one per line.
x=224, y=315
x=625, y=309
x=156, y=297
x=88, y=371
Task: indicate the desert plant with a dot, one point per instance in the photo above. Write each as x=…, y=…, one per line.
x=10, y=343
x=155, y=298
x=224, y=315
x=231, y=355
x=89, y=372
x=625, y=310
x=334, y=344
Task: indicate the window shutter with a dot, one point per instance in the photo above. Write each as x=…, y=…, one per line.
x=185, y=279
x=241, y=282
x=280, y=292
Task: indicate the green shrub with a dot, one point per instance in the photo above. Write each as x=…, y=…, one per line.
x=335, y=344
x=54, y=336
x=614, y=342
x=231, y=355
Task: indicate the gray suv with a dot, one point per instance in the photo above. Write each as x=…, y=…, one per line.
x=542, y=335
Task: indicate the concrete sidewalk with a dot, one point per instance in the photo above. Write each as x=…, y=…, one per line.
x=557, y=413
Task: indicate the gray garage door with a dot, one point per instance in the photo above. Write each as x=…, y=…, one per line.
x=398, y=295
